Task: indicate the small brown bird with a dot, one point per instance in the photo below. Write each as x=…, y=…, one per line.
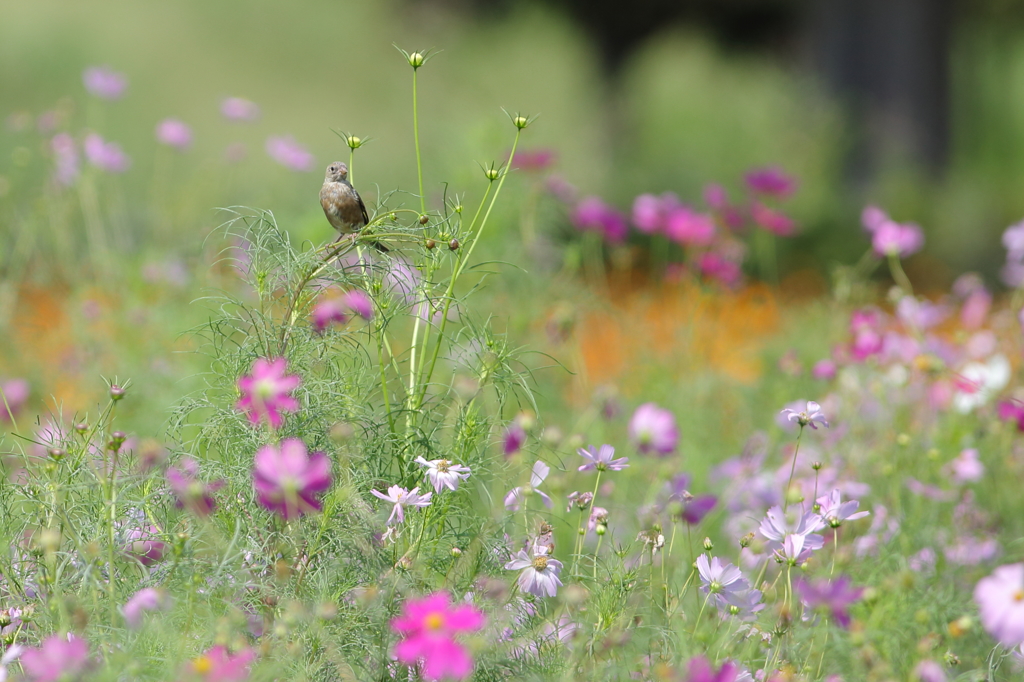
x=342, y=204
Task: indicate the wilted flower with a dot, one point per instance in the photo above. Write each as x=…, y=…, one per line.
x=428, y=628
x=288, y=480
x=57, y=658
x=174, y=133
x=444, y=474
x=191, y=493
x=266, y=393
x=540, y=572
x=579, y=500
x=653, y=429
x=217, y=665
x=146, y=599
x=289, y=153
x=834, y=511
x=771, y=180
x=106, y=156
x=598, y=517
x=402, y=498
x=239, y=109
x=538, y=474
x=602, y=460
x=1000, y=599
x=104, y=82
x=833, y=595
x=809, y=417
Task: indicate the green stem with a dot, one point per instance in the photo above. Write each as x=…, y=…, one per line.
x=896, y=269
x=792, y=470
x=416, y=138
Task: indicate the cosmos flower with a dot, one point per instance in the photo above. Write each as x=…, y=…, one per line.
x=685, y=226
x=835, y=596
x=809, y=417
x=514, y=497
x=834, y=511
x=266, y=392
x=792, y=542
x=357, y=301
x=288, y=480
x=444, y=474
x=897, y=239
x=66, y=160
x=146, y=599
x=189, y=491
x=650, y=211
x=653, y=429
x=699, y=669
x=719, y=579
x=772, y=220
x=539, y=573
x=174, y=133
x=104, y=82
x=239, y=109
x=966, y=467
x=143, y=544
x=329, y=309
x=289, y=153
x=57, y=658
x=402, y=498
x=217, y=665
x=428, y=628
x=107, y=156
x=602, y=460
x=771, y=180
x=593, y=215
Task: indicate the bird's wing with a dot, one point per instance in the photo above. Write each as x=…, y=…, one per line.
x=362, y=207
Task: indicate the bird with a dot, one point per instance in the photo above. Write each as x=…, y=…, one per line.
x=342, y=204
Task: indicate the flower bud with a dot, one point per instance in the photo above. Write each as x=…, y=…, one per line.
x=458, y=208
x=601, y=529
x=520, y=122
x=81, y=427
x=424, y=219
x=708, y=545
x=453, y=245
x=416, y=60
x=951, y=659
x=353, y=142
x=746, y=540
x=491, y=173
x=430, y=244
x=817, y=466
x=5, y=618
x=394, y=217
x=116, y=392
x=456, y=552
x=56, y=454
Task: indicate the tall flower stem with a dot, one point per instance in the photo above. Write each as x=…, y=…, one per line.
x=896, y=268
x=581, y=533
x=792, y=470
x=416, y=139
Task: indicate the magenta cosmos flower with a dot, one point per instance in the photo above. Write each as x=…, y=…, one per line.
x=772, y=220
x=329, y=310
x=266, y=392
x=700, y=670
x=57, y=658
x=650, y=212
x=594, y=215
x=289, y=153
x=1000, y=599
x=771, y=181
x=189, y=491
x=653, y=429
x=174, y=133
x=689, y=227
x=288, y=480
x=146, y=599
x=239, y=109
x=601, y=460
x=428, y=628
x=144, y=544
x=359, y=303
x=402, y=498
x=104, y=82
x=217, y=665
x=107, y=156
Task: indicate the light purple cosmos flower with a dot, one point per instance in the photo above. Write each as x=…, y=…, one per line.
x=359, y=303
x=772, y=181
x=700, y=670
x=834, y=511
x=289, y=153
x=653, y=429
x=897, y=239
x=104, y=82
x=174, y=133
x=514, y=497
x=871, y=217
x=833, y=595
x=266, y=392
x=1000, y=599
x=66, y=161
x=809, y=417
x=719, y=578
x=792, y=543
x=13, y=653
x=930, y=671
x=288, y=480
x=743, y=604
x=402, y=498
x=824, y=370
x=57, y=658
x=967, y=468
x=239, y=109
x=1013, y=240
x=107, y=156
x=602, y=461
x=539, y=575
x=146, y=599
x=189, y=491
x=444, y=474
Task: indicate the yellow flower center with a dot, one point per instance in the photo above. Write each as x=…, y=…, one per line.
x=202, y=665
x=1018, y=595
x=442, y=466
x=434, y=621
x=540, y=562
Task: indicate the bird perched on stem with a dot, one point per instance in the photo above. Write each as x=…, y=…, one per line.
x=342, y=204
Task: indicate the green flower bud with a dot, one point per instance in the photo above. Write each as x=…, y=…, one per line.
x=520, y=122
x=491, y=173
x=708, y=545
x=416, y=60
x=353, y=142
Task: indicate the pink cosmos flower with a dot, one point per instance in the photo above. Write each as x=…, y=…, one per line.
x=1012, y=410
x=772, y=220
x=66, y=161
x=444, y=474
x=871, y=217
x=685, y=226
x=189, y=491
x=811, y=416
x=239, y=109
x=602, y=460
x=146, y=599
x=865, y=325
x=1013, y=240
x=897, y=239
x=716, y=197
x=174, y=133
x=824, y=370
x=104, y=82
x=57, y=658
x=144, y=544
x=592, y=214
x=328, y=310
x=930, y=671
x=967, y=468
x=719, y=579
x=834, y=511
x=217, y=665
x=107, y=156
x=700, y=670
x=288, y=480
x=402, y=498
x=792, y=541
x=539, y=573
x=428, y=628
x=515, y=496
x=266, y=392
x=359, y=303
x=653, y=430
x=717, y=267
x=975, y=309
x=649, y=213
x=771, y=181
x=533, y=160
x=13, y=653
x=832, y=595
x=13, y=396
x=1000, y=599
x=289, y=153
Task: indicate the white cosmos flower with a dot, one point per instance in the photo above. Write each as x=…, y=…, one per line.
x=539, y=574
x=986, y=379
x=444, y=474
x=537, y=476
x=402, y=498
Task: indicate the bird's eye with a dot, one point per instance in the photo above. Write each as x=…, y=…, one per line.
x=334, y=169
